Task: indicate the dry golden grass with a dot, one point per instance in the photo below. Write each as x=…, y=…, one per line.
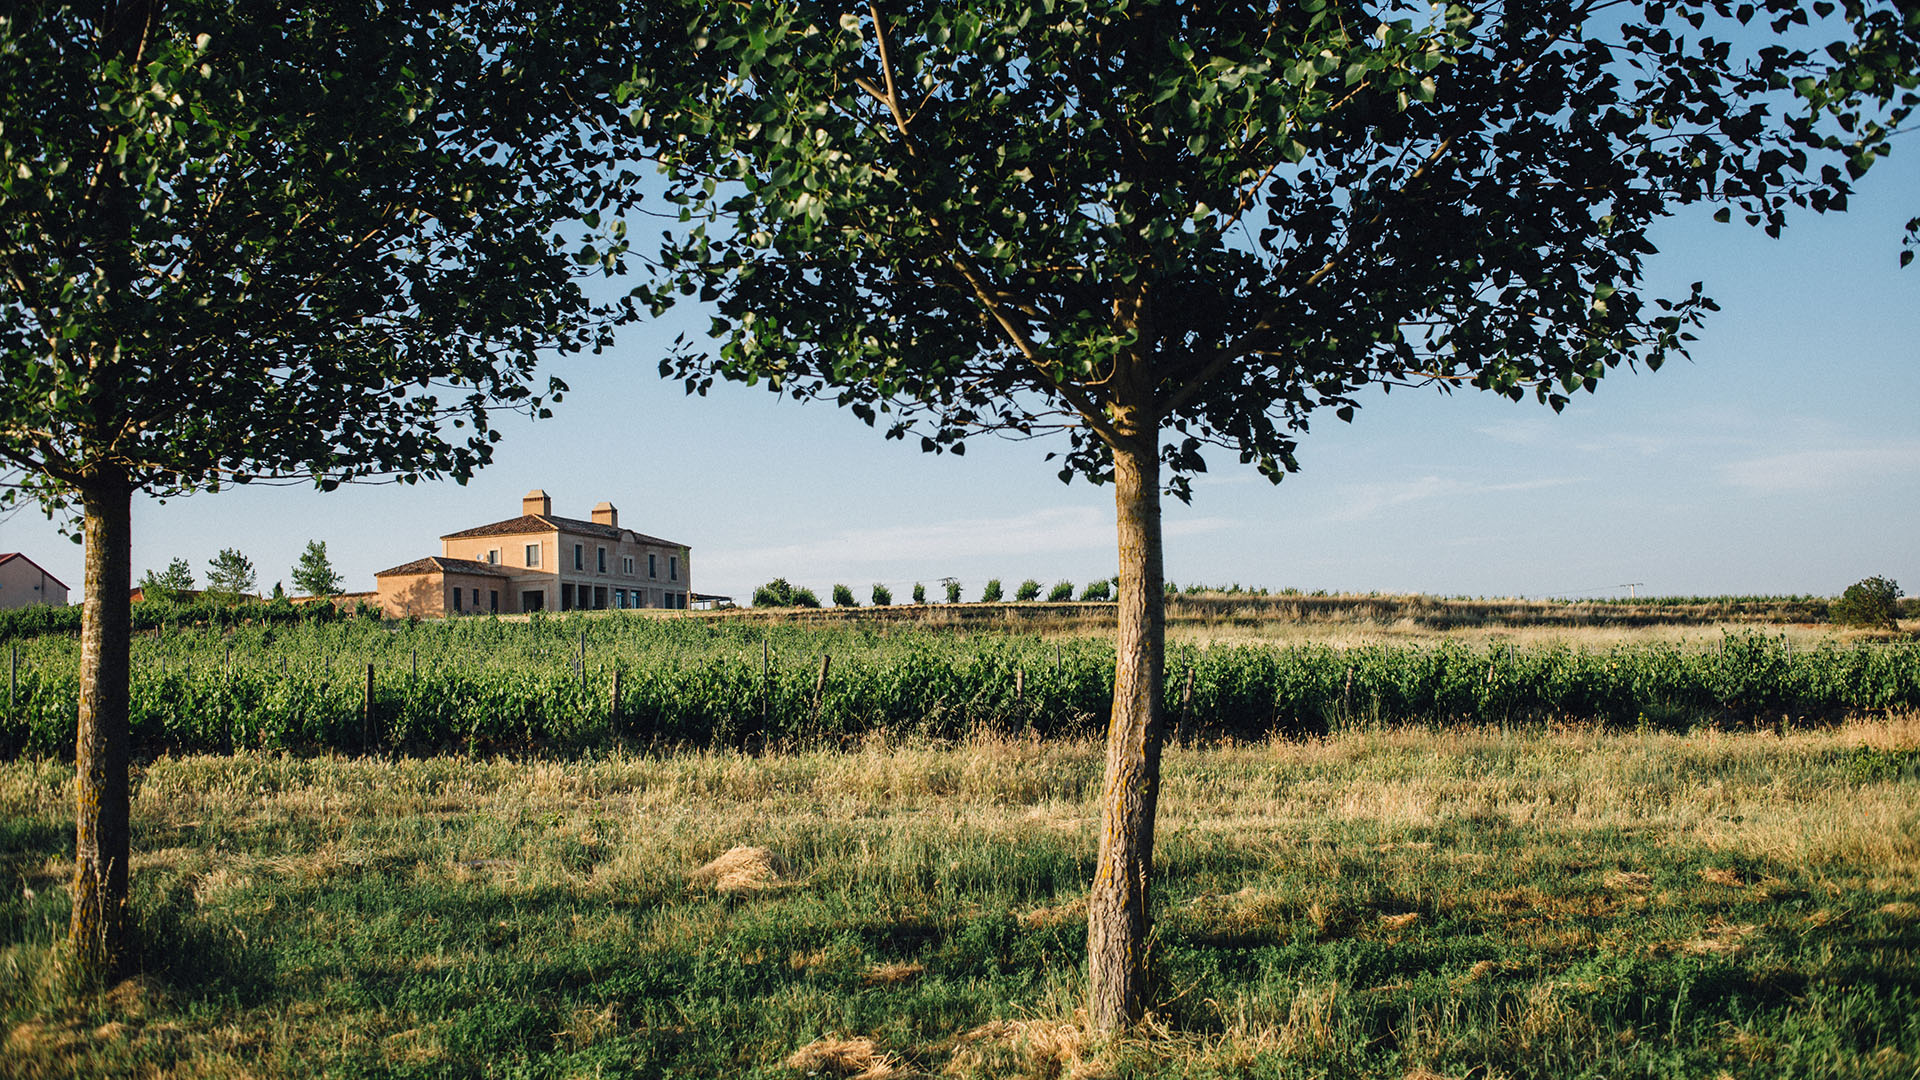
x=1399, y=810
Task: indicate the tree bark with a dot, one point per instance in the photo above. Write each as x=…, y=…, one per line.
x=102, y=844
x=1117, y=913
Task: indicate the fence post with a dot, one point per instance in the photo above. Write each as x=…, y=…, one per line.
x=1186, y=704
x=1019, y=686
x=415, y=676
x=366, y=715
x=820, y=684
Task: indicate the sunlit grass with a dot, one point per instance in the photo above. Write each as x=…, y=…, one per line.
x=1384, y=903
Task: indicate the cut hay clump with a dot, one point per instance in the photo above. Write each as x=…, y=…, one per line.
x=744, y=869
x=1049, y=1048
x=853, y=1059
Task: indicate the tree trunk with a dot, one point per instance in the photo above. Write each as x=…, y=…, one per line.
x=1117, y=914
x=101, y=842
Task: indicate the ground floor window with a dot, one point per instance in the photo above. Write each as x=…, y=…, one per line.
x=566, y=597
x=493, y=600
x=533, y=600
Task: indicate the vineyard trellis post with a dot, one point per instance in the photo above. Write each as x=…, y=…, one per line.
x=1184, y=733
x=613, y=703
x=13, y=677
x=766, y=685
x=366, y=715
x=580, y=665
x=820, y=684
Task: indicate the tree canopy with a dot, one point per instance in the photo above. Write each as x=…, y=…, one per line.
x=247, y=240
x=1156, y=228
x=314, y=573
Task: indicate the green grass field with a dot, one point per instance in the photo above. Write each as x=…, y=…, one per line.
x=1383, y=904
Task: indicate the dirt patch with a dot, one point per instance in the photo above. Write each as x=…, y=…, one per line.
x=744, y=869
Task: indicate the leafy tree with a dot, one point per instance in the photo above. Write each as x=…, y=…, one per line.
x=249, y=240
x=882, y=596
x=1099, y=590
x=1873, y=601
x=952, y=587
x=919, y=593
x=314, y=573
x=843, y=597
x=1156, y=227
x=169, y=583
x=991, y=594
x=1062, y=590
x=230, y=575
x=775, y=593
x=1029, y=590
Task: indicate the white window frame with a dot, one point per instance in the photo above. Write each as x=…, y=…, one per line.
x=533, y=554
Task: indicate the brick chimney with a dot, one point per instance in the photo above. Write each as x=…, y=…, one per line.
x=605, y=514
x=536, y=502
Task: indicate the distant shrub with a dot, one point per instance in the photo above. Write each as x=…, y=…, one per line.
x=1873, y=601
x=781, y=593
x=843, y=597
x=1061, y=591
x=991, y=594
x=919, y=593
x=1097, y=590
x=881, y=595
x=775, y=593
x=1029, y=590
x=953, y=590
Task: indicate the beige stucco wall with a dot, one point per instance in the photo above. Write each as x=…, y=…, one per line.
x=23, y=584
x=556, y=565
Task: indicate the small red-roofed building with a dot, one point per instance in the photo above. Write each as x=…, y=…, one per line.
x=540, y=562
x=24, y=583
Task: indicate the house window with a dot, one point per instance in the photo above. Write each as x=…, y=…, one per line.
x=626, y=565
x=476, y=599
x=603, y=560
x=493, y=557
x=493, y=600
x=533, y=600
x=533, y=554
x=579, y=556
x=619, y=598
x=456, y=599
x=566, y=597
x=673, y=568
x=653, y=569
x=599, y=598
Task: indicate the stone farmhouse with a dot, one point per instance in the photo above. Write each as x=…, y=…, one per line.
x=540, y=562
x=24, y=583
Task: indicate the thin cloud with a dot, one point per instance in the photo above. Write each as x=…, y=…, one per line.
x=1367, y=500
x=925, y=547
x=1835, y=467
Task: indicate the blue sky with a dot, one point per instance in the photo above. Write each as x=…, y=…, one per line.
x=1784, y=459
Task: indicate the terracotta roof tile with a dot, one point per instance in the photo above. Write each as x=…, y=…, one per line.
x=527, y=524
x=441, y=563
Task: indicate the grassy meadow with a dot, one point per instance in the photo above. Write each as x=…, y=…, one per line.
x=1411, y=903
